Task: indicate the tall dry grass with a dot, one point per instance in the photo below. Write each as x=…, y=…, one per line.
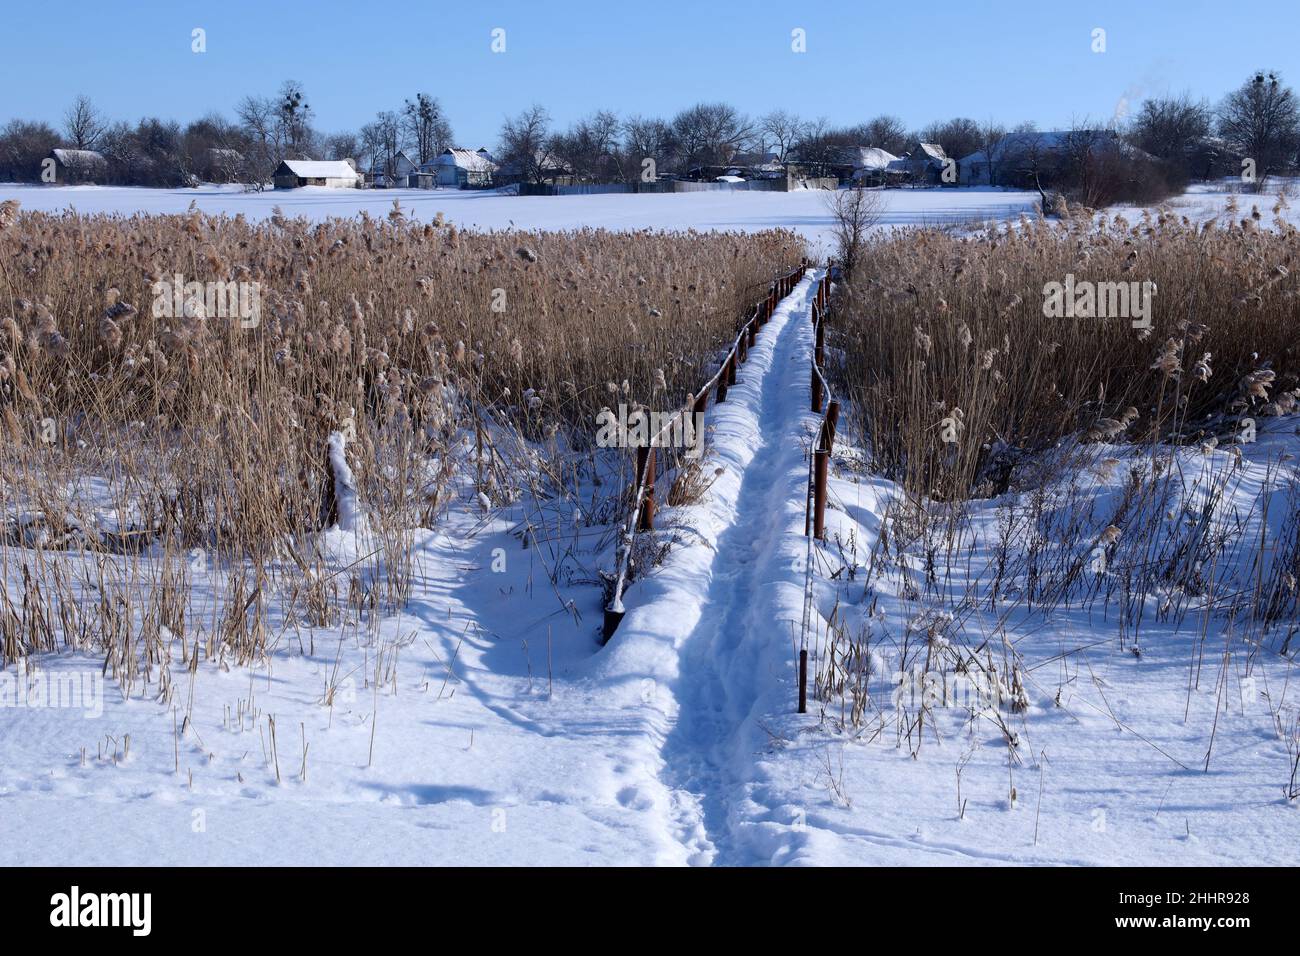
x=944, y=336
x=150, y=447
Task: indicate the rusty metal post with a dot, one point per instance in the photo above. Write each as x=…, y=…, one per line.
x=753, y=331
x=731, y=368
x=803, y=682
x=645, y=466
x=828, y=428
x=821, y=344
x=821, y=458
x=722, y=387
x=816, y=388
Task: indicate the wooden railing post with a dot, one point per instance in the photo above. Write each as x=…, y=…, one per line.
x=816, y=388
x=821, y=457
x=731, y=368
x=645, y=466
x=803, y=682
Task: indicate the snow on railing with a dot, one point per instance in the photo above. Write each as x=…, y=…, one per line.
x=641, y=514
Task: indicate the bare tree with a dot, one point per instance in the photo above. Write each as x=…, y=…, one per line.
x=257, y=116
x=83, y=124
x=526, y=143
x=426, y=127
x=781, y=130
x=386, y=136
x=854, y=212
x=959, y=137
x=343, y=146
x=1174, y=129
x=710, y=134
x=992, y=142
x=23, y=145
x=1261, y=120
x=591, y=147
x=293, y=114
x=647, y=139
x=887, y=132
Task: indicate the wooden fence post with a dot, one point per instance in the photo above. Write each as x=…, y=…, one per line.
x=816, y=387
x=820, y=459
x=803, y=682
x=645, y=467
x=731, y=368
x=821, y=344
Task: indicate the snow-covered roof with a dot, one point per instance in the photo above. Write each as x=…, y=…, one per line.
x=78, y=157
x=320, y=168
x=467, y=159
x=931, y=151
x=1017, y=144
x=870, y=157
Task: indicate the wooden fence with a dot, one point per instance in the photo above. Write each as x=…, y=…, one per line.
x=641, y=514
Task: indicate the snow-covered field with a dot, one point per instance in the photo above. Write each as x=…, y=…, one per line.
x=485, y=724
x=804, y=211
x=504, y=734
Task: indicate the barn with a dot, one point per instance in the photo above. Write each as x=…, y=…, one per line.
x=336, y=173
x=77, y=165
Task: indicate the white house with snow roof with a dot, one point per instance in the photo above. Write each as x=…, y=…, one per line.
x=464, y=168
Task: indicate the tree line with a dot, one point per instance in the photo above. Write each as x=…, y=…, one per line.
x=1259, y=121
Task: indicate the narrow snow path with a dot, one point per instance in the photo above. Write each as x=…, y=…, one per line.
x=734, y=658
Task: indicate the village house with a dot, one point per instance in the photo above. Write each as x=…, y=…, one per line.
x=1014, y=158
x=463, y=168
x=335, y=173
x=871, y=165
x=923, y=164
x=393, y=174
x=77, y=166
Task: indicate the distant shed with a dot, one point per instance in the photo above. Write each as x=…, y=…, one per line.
x=336, y=173
x=78, y=165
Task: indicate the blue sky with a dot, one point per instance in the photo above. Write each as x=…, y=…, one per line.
x=1012, y=60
